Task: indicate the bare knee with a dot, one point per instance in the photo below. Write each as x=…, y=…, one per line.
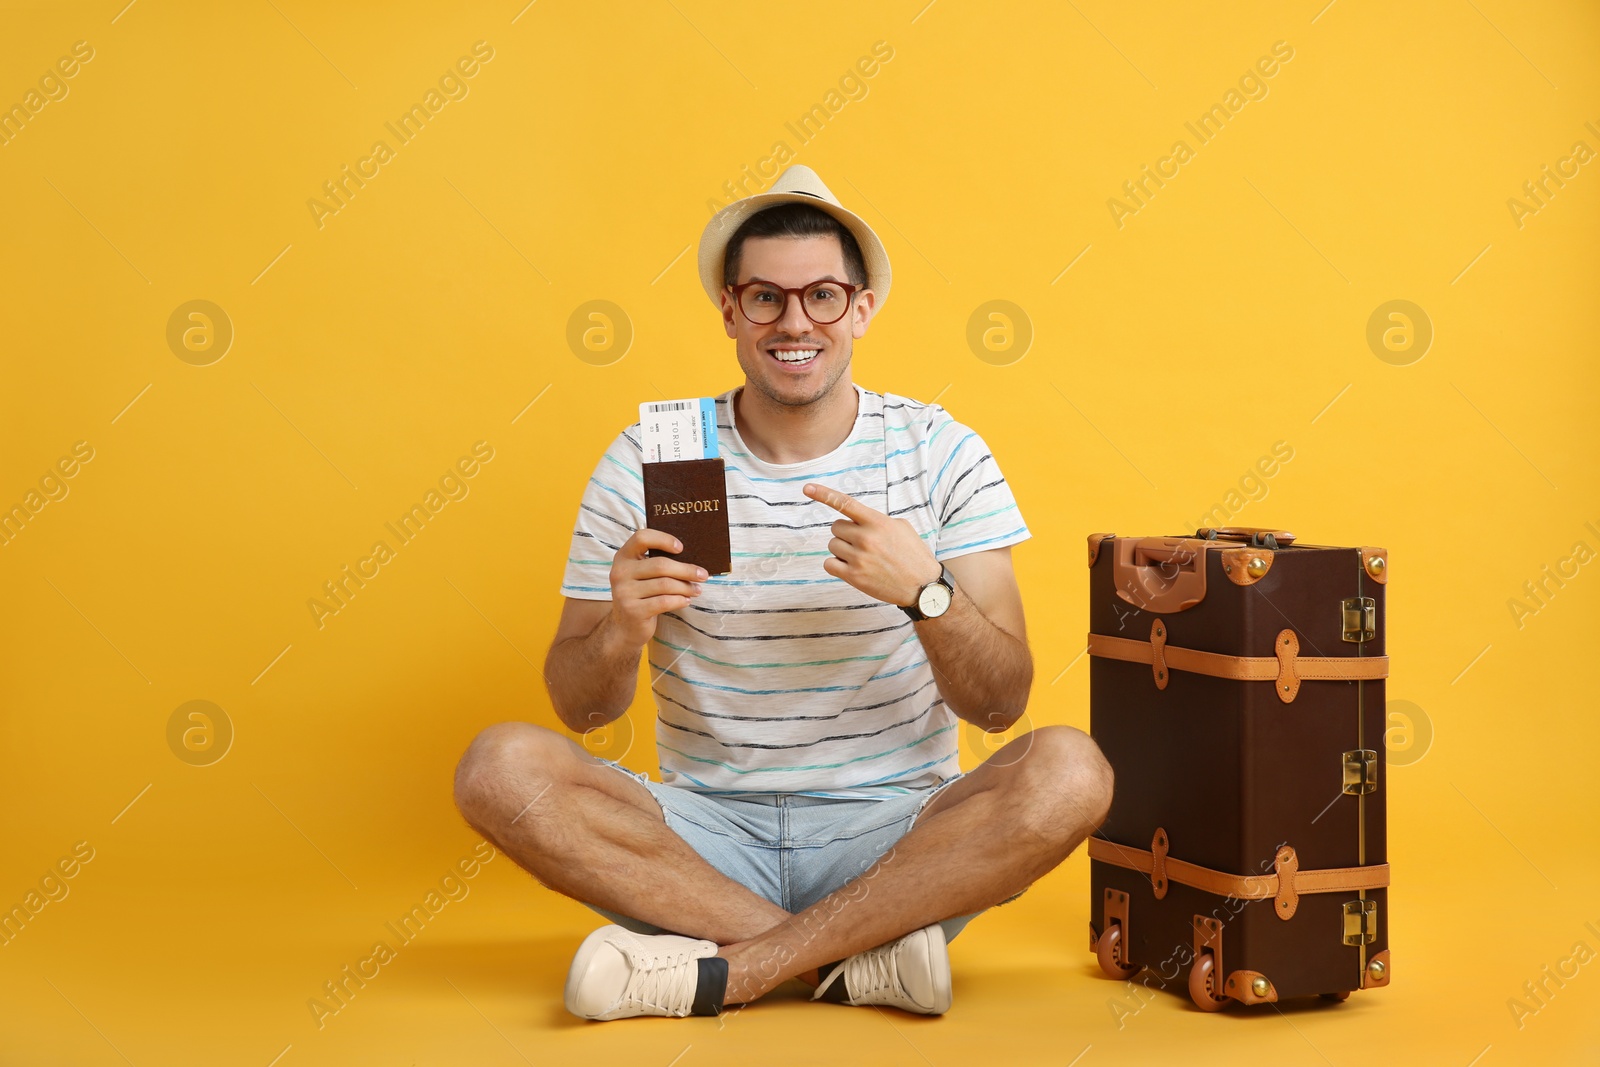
x=503, y=762
x=1097, y=779
x=1069, y=783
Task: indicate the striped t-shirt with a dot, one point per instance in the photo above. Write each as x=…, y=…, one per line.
x=780, y=677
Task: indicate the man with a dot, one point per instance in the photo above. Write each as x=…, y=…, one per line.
x=811, y=820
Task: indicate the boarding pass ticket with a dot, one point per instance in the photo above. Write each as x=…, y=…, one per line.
x=679, y=429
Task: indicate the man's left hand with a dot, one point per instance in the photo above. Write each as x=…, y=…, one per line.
x=881, y=556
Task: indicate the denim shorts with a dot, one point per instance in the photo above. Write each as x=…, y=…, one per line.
x=790, y=848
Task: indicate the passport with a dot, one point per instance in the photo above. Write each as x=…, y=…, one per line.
x=688, y=498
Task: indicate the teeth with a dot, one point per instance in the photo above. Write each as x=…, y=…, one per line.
x=798, y=356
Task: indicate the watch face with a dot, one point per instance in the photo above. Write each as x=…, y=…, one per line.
x=935, y=600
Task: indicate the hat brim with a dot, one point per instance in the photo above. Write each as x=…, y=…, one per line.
x=725, y=223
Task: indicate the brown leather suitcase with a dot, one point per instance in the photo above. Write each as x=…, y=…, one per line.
x=1237, y=689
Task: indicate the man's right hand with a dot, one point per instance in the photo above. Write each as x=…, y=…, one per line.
x=644, y=587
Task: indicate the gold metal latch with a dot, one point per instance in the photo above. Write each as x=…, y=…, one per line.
x=1360, y=922
x=1361, y=771
x=1360, y=615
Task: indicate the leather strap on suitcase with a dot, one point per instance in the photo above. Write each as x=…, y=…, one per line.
x=1286, y=883
x=1287, y=668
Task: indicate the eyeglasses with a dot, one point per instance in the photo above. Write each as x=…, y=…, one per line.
x=763, y=303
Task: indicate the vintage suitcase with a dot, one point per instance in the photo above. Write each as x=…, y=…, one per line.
x=1237, y=689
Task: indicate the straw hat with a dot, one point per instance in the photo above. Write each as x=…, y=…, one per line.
x=796, y=185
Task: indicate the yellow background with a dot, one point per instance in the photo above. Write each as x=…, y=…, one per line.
x=369, y=354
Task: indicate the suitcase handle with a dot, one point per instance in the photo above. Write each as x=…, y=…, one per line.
x=1254, y=536
x=1160, y=574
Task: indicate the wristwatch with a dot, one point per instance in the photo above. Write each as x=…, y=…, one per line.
x=934, y=598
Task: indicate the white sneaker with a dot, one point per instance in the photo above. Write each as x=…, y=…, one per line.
x=617, y=974
x=912, y=974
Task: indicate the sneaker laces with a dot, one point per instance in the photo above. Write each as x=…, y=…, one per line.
x=866, y=974
x=658, y=980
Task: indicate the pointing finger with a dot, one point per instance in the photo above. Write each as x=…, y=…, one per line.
x=846, y=505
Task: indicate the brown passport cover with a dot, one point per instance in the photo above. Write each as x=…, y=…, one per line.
x=688, y=498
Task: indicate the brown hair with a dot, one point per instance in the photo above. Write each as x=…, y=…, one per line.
x=794, y=220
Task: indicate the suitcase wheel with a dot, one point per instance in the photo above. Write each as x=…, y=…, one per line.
x=1108, y=949
x=1202, y=981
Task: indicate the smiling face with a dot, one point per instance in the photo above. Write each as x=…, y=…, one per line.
x=794, y=361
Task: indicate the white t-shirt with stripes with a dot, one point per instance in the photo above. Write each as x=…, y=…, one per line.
x=780, y=677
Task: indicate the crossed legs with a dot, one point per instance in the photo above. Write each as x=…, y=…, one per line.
x=597, y=836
